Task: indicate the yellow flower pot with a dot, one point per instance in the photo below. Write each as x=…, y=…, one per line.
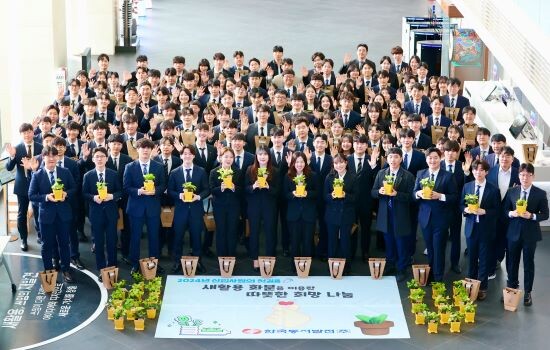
x=139, y=324
x=228, y=182
x=130, y=315
x=473, y=208
x=469, y=317
x=427, y=193
x=455, y=327
x=149, y=186
x=119, y=324
x=110, y=313
x=300, y=190
x=262, y=181
x=388, y=188
x=444, y=318
x=151, y=313
x=58, y=194
x=102, y=193
x=413, y=303
x=432, y=327
x=461, y=306
x=419, y=319
x=520, y=209
x=187, y=196
x=338, y=192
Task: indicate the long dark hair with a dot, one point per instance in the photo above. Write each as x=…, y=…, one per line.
x=256, y=165
x=292, y=170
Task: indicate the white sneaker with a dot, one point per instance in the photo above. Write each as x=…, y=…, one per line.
x=492, y=276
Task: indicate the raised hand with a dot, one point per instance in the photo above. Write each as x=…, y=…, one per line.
x=364, y=110
x=347, y=58
x=10, y=149
x=360, y=129
x=288, y=157
x=305, y=72
x=126, y=76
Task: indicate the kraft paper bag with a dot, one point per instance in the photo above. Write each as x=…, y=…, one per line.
x=336, y=268
x=421, y=273
x=109, y=275
x=48, y=279
x=303, y=264
x=120, y=221
x=376, y=267
x=511, y=298
x=227, y=264
x=189, y=265
x=472, y=287
x=149, y=267
x=167, y=216
x=267, y=265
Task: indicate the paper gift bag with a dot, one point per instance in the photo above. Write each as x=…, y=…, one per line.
x=48, y=279
x=267, y=265
x=188, y=137
x=437, y=132
x=511, y=298
x=109, y=275
x=189, y=265
x=132, y=151
x=120, y=221
x=227, y=264
x=149, y=267
x=530, y=152
x=303, y=264
x=470, y=134
x=376, y=267
x=472, y=287
x=452, y=112
x=421, y=273
x=261, y=141
x=209, y=221
x=278, y=117
x=167, y=216
x=336, y=268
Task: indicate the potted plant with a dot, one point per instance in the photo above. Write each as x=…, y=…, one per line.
x=445, y=312
x=139, y=322
x=110, y=309
x=129, y=305
x=57, y=189
x=188, y=191
x=338, y=187
x=419, y=311
x=226, y=175
x=149, y=182
x=427, y=187
x=389, y=181
x=455, y=318
x=521, y=206
x=413, y=284
x=472, y=201
x=137, y=277
x=118, y=315
x=300, y=181
x=458, y=286
x=462, y=300
x=416, y=296
x=438, y=288
x=373, y=325
x=262, y=177
x=136, y=292
x=151, y=305
x=441, y=300
x=433, y=321
x=470, y=312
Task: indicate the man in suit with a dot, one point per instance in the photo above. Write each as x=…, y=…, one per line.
x=350, y=118
x=276, y=65
x=454, y=100
x=398, y=64
x=418, y=105
x=480, y=225
x=74, y=143
x=103, y=112
x=218, y=68
x=132, y=107
x=103, y=212
x=421, y=140
x=437, y=118
x=55, y=216
x=143, y=206
x=524, y=229
x=302, y=139
x=131, y=134
x=434, y=212
x=383, y=78
x=261, y=128
x=394, y=208
x=278, y=154
x=362, y=52
x=21, y=157
x=117, y=161
x=238, y=57
x=364, y=167
x=498, y=142
x=321, y=164
x=484, y=147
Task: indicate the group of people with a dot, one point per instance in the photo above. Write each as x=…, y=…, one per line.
x=308, y=161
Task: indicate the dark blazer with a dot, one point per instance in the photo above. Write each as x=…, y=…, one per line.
x=424, y=107
x=40, y=187
x=301, y=208
x=360, y=91
x=520, y=228
x=460, y=103
x=424, y=142
x=444, y=183
x=22, y=180
x=340, y=211
x=490, y=201
x=89, y=190
x=283, y=165
x=443, y=121
x=356, y=62
x=227, y=198
x=458, y=173
x=323, y=172
x=246, y=161
x=70, y=153
x=364, y=179
x=211, y=158
x=176, y=162
x=404, y=184
x=309, y=143
x=393, y=67
x=123, y=159
x=250, y=114
x=492, y=176
x=491, y=160
x=124, y=149
x=476, y=151
x=354, y=119
x=392, y=89
x=133, y=181
x=416, y=163
x=109, y=116
x=175, y=188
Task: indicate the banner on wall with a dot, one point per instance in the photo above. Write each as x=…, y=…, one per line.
x=467, y=48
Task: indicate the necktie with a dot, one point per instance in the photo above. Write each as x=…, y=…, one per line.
x=319, y=164
x=132, y=140
x=450, y=168
x=416, y=108
x=238, y=104
x=289, y=93
x=345, y=120
x=262, y=131
x=524, y=195
x=390, y=202
x=496, y=160
x=29, y=151
x=398, y=68
x=52, y=178
x=453, y=102
x=166, y=166
x=59, y=163
x=327, y=82
x=360, y=165
x=238, y=161
x=406, y=161
x=483, y=155
x=436, y=121
x=102, y=115
x=203, y=155
x=144, y=169
x=100, y=177
x=478, y=199
x=278, y=158
x=73, y=149
x=302, y=145
x=115, y=160
x=432, y=176
x=367, y=83
x=187, y=175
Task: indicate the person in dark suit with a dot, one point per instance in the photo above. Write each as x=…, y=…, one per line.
x=280, y=154
x=434, y=212
x=436, y=118
x=454, y=100
x=362, y=52
x=117, y=161
x=143, y=206
x=421, y=141
x=226, y=203
x=261, y=203
x=276, y=65
x=364, y=167
x=74, y=143
x=498, y=142
x=340, y=212
x=130, y=122
x=524, y=229
x=301, y=132
x=55, y=216
x=301, y=211
x=484, y=147
x=103, y=113
x=21, y=157
x=394, y=208
x=188, y=215
x=243, y=160
x=260, y=128
x=350, y=118
x=398, y=64
x=504, y=177
x=480, y=225
x=321, y=164
x=418, y=105
x=103, y=212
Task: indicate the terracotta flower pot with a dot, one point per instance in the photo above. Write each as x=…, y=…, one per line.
x=374, y=329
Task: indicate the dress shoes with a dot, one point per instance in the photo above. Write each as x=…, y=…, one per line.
x=100, y=278
x=55, y=265
x=456, y=269
x=67, y=278
x=482, y=295
x=24, y=245
x=528, y=300
x=76, y=262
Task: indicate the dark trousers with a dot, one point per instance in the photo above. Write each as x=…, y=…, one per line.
x=285, y=231
x=497, y=251
x=166, y=238
x=478, y=256
x=262, y=220
x=184, y=221
x=454, y=234
x=435, y=238
x=35, y=211
x=227, y=223
x=136, y=228
x=414, y=229
x=125, y=232
x=515, y=250
x=105, y=239
x=301, y=235
x=73, y=244
x=56, y=234
x=339, y=241
x=22, y=211
x=79, y=213
x=322, y=246
x=397, y=247
x=364, y=214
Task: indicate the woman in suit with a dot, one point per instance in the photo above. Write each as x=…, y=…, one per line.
x=226, y=204
x=262, y=204
x=301, y=210
x=340, y=212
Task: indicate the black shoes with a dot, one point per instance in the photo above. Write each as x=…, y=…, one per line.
x=76, y=262
x=24, y=245
x=67, y=278
x=528, y=300
x=456, y=269
x=482, y=295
